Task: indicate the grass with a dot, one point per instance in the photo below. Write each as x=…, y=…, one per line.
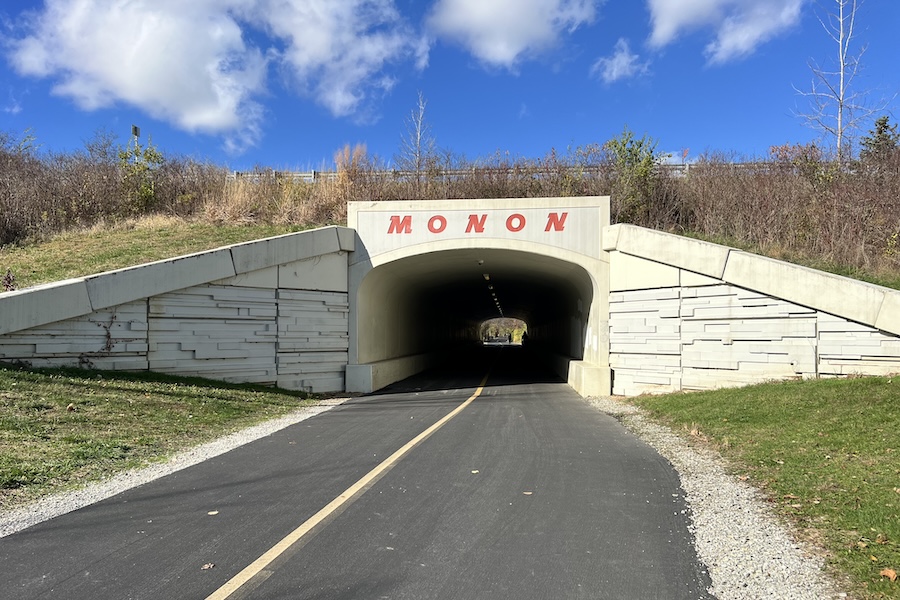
x=827, y=454
x=64, y=427
x=104, y=248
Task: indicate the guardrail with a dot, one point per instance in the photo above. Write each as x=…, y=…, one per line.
x=314, y=176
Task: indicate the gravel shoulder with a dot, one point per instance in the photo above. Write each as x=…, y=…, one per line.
x=750, y=554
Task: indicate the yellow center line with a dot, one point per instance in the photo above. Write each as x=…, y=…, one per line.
x=342, y=501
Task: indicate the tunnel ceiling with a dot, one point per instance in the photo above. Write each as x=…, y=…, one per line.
x=527, y=285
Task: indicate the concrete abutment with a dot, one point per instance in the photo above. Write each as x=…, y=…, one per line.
x=617, y=309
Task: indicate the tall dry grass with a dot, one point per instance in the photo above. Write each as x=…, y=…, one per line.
x=792, y=204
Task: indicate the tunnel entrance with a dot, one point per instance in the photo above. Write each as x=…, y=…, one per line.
x=503, y=330
x=417, y=295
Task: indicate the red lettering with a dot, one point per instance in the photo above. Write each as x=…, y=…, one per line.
x=556, y=222
x=476, y=224
x=515, y=223
x=399, y=225
x=437, y=224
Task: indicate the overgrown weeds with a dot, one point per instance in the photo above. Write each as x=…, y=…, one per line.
x=794, y=202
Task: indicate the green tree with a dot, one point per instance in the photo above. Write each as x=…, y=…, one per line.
x=635, y=164
x=137, y=166
x=881, y=142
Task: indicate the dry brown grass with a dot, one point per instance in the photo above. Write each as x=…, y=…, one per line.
x=793, y=204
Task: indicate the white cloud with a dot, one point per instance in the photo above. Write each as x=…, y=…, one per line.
x=622, y=64
x=501, y=32
x=740, y=26
x=337, y=49
x=203, y=64
x=180, y=62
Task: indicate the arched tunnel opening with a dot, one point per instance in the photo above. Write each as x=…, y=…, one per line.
x=503, y=330
x=426, y=310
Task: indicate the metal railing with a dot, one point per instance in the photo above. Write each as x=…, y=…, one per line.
x=314, y=176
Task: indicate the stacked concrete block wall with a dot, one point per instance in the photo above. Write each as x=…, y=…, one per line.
x=688, y=315
x=272, y=311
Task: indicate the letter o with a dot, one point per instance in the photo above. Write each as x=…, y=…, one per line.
x=515, y=222
x=437, y=224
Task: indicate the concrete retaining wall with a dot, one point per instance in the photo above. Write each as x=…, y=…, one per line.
x=272, y=311
x=688, y=315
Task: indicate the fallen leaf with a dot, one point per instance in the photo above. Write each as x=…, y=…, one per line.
x=791, y=497
x=889, y=573
x=873, y=558
x=208, y=566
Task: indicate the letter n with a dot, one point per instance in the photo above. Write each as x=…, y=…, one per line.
x=476, y=224
x=399, y=225
x=556, y=222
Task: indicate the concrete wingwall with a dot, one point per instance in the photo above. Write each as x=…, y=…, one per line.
x=690, y=315
x=682, y=315
x=272, y=311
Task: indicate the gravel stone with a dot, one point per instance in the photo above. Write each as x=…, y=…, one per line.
x=749, y=553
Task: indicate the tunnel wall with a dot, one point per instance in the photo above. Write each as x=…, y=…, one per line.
x=273, y=311
x=690, y=315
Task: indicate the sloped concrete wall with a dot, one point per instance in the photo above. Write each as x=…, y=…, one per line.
x=689, y=315
x=272, y=311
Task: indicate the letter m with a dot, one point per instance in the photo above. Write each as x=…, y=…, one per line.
x=556, y=222
x=399, y=225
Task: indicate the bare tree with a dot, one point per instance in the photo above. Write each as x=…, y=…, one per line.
x=417, y=147
x=836, y=107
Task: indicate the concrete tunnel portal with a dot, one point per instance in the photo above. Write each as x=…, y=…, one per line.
x=421, y=291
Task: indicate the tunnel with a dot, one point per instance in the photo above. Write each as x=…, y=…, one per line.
x=425, y=274
x=421, y=311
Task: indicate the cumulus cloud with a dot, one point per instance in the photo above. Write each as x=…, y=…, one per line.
x=338, y=50
x=501, y=32
x=622, y=64
x=203, y=65
x=183, y=63
x=740, y=26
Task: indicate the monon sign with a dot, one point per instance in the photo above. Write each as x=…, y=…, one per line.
x=566, y=223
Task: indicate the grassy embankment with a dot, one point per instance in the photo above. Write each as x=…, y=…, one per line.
x=827, y=455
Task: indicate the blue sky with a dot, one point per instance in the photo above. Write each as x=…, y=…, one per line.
x=286, y=83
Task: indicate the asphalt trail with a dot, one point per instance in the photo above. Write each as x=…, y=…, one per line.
x=527, y=493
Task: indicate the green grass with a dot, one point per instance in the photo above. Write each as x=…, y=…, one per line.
x=827, y=453
x=64, y=427
x=81, y=253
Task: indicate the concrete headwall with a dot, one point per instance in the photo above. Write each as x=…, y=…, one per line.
x=423, y=263
x=688, y=315
x=272, y=311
